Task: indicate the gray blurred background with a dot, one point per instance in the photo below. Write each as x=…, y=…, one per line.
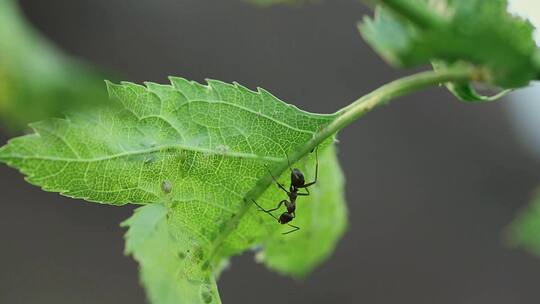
x=431, y=182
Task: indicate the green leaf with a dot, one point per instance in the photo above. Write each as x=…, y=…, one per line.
x=524, y=232
x=37, y=80
x=170, y=268
x=198, y=151
x=482, y=33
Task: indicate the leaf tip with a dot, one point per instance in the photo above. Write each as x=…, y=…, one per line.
x=152, y=86
x=112, y=88
x=215, y=84
x=179, y=83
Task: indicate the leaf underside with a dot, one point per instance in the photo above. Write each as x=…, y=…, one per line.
x=191, y=153
x=477, y=32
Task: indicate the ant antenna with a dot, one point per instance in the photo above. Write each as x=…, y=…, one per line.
x=263, y=210
x=288, y=161
x=274, y=178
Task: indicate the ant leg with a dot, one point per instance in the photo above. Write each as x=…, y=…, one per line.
x=295, y=228
x=273, y=177
x=305, y=187
x=278, y=206
x=266, y=211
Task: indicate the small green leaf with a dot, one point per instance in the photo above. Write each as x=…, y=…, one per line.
x=482, y=33
x=37, y=80
x=170, y=264
x=198, y=151
x=524, y=232
x=465, y=91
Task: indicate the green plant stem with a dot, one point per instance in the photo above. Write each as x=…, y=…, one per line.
x=343, y=118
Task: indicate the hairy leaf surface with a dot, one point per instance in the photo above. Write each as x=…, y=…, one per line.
x=413, y=32
x=197, y=151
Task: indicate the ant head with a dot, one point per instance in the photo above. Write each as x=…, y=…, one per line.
x=285, y=218
x=297, y=178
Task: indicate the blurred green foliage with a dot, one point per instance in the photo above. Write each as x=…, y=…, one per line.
x=481, y=33
x=36, y=79
x=525, y=230
x=265, y=3
x=408, y=33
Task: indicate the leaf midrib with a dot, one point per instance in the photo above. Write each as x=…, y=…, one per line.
x=148, y=151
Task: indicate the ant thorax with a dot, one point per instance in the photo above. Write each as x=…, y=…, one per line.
x=291, y=206
x=293, y=193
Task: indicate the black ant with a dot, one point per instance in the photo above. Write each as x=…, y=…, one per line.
x=298, y=182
